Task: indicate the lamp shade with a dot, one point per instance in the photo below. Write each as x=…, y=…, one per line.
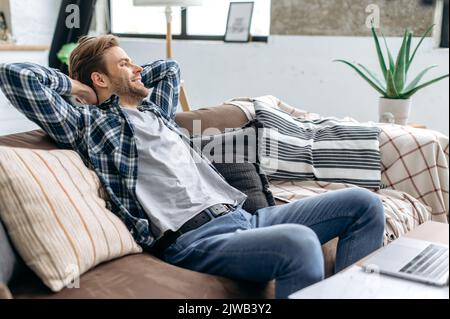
x=175, y=3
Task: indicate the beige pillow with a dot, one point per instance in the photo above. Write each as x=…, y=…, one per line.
x=50, y=205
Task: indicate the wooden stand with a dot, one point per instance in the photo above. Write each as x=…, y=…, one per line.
x=417, y=125
x=183, y=96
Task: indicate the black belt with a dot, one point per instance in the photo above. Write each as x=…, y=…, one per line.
x=195, y=222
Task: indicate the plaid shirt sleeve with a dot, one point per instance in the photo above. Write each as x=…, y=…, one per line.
x=164, y=78
x=37, y=92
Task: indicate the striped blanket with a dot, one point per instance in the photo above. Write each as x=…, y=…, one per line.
x=326, y=149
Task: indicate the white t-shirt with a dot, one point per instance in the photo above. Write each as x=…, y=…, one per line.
x=174, y=183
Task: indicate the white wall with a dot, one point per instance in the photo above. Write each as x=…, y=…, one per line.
x=11, y=120
x=300, y=71
x=33, y=22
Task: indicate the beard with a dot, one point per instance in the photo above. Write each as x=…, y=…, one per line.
x=135, y=91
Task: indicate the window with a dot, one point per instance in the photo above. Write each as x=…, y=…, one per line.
x=445, y=27
x=126, y=18
x=442, y=19
x=207, y=22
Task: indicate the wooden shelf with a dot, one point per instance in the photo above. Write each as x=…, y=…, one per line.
x=23, y=47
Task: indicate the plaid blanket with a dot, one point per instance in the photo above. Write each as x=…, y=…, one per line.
x=403, y=212
x=414, y=168
x=415, y=161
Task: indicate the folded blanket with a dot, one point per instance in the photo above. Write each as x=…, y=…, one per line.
x=326, y=149
x=415, y=161
x=403, y=212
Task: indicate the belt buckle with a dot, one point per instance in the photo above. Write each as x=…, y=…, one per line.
x=219, y=210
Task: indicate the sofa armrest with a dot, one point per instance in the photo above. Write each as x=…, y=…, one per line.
x=219, y=117
x=4, y=292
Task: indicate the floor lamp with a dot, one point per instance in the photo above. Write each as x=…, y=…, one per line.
x=169, y=53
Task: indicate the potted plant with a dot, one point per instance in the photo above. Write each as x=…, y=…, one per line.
x=395, y=102
x=64, y=54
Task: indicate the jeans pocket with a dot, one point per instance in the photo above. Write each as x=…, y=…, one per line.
x=240, y=219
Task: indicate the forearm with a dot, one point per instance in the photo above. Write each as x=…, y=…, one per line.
x=164, y=78
x=19, y=75
x=160, y=70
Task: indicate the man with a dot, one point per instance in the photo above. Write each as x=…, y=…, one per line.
x=171, y=199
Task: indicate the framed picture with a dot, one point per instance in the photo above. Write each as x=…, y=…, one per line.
x=4, y=32
x=239, y=22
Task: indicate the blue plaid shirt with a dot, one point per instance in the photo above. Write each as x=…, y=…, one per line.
x=102, y=134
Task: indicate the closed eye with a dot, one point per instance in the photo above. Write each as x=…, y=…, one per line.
x=124, y=62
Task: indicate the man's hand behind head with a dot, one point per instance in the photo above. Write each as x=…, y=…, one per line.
x=83, y=94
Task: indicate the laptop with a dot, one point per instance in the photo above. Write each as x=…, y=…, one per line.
x=412, y=259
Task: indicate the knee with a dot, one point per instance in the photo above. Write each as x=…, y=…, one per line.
x=296, y=237
x=299, y=245
x=369, y=205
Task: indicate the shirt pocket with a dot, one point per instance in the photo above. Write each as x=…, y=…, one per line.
x=105, y=137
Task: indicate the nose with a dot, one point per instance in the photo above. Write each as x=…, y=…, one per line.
x=138, y=68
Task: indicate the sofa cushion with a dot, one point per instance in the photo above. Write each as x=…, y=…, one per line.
x=55, y=216
x=246, y=178
x=143, y=276
x=233, y=154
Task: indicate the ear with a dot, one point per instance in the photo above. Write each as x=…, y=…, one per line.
x=100, y=80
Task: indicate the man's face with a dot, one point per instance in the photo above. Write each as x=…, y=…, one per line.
x=124, y=75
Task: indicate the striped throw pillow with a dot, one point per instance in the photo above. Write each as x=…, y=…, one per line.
x=327, y=149
x=50, y=205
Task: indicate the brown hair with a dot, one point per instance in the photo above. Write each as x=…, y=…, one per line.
x=87, y=57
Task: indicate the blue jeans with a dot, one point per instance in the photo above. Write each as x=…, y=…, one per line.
x=284, y=242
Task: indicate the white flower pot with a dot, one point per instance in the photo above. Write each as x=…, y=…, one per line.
x=394, y=110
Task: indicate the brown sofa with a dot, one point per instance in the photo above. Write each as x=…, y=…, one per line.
x=143, y=275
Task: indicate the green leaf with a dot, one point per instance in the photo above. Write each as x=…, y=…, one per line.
x=376, y=87
x=418, y=45
x=380, y=53
x=391, y=59
x=373, y=76
x=391, y=90
x=409, y=93
x=408, y=47
x=400, y=65
x=419, y=77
